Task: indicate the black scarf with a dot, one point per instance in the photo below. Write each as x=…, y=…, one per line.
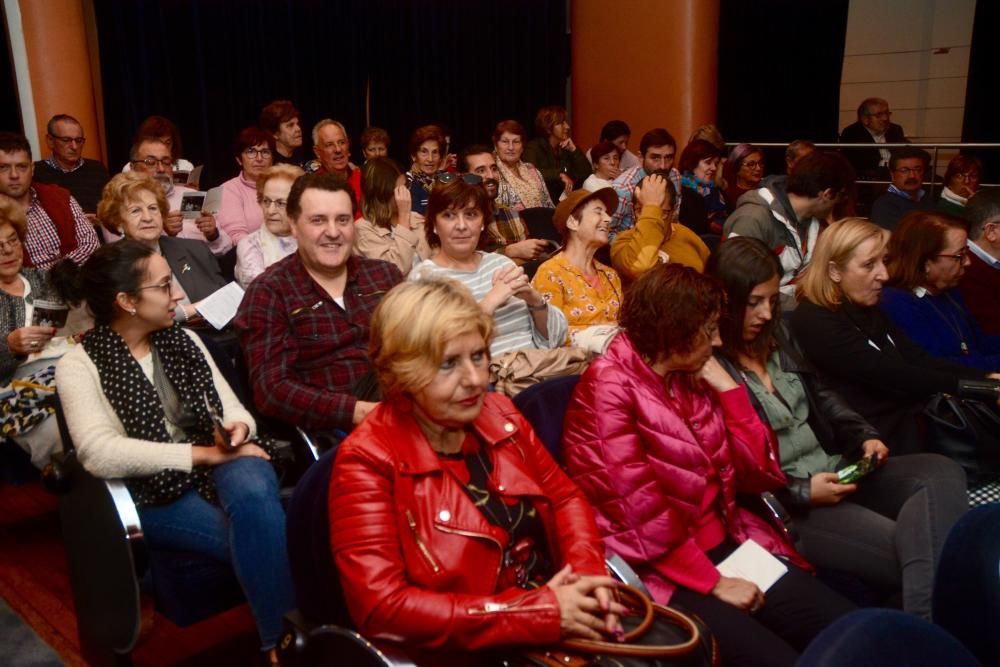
x=140, y=410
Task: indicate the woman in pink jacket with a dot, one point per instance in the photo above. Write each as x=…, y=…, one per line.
x=661, y=439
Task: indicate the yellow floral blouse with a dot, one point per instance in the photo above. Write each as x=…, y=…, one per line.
x=566, y=287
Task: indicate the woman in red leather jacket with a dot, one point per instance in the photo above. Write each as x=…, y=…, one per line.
x=452, y=528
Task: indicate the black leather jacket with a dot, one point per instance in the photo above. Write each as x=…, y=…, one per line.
x=839, y=429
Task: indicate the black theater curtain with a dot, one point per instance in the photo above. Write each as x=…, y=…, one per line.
x=780, y=63
x=10, y=110
x=982, y=90
x=211, y=65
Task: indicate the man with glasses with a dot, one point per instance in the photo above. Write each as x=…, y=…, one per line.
x=57, y=226
x=873, y=126
x=152, y=156
x=66, y=166
x=907, y=167
x=981, y=283
x=788, y=214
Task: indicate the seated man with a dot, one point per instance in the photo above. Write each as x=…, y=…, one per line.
x=332, y=147
x=657, y=149
x=907, y=167
x=507, y=234
x=152, y=156
x=797, y=150
x=57, y=226
x=304, y=322
x=981, y=283
x=67, y=167
x=872, y=127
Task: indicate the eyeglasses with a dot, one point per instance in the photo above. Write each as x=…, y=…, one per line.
x=881, y=114
x=958, y=256
x=446, y=177
x=906, y=171
x=753, y=165
x=969, y=176
x=66, y=141
x=13, y=243
x=163, y=287
x=268, y=203
x=254, y=153
x=151, y=162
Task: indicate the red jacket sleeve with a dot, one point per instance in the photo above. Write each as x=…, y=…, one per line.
x=753, y=444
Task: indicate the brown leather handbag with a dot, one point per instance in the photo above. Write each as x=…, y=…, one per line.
x=656, y=636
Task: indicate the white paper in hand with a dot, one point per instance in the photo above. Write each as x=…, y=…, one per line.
x=213, y=201
x=219, y=307
x=753, y=563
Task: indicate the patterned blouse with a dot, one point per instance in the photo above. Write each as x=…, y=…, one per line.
x=585, y=302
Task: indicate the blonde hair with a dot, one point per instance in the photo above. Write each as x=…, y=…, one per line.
x=289, y=172
x=837, y=244
x=12, y=214
x=122, y=188
x=413, y=324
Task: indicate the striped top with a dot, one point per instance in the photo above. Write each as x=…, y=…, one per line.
x=515, y=328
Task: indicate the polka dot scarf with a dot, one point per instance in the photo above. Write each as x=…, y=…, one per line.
x=138, y=406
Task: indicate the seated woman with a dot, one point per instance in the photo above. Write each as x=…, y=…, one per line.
x=456, y=216
x=660, y=438
x=874, y=366
x=239, y=212
x=586, y=291
x=521, y=184
x=133, y=205
x=887, y=528
x=702, y=207
x=28, y=351
x=605, y=167
x=656, y=238
x=961, y=181
x=274, y=240
x=452, y=528
x=136, y=395
x=386, y=230
x=426, y=150
x=744, y=171
x=927, y=256
x=564, y=167
x=374, y=143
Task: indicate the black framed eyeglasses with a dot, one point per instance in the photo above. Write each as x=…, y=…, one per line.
x=446, y=177
x=151, y=162
x=66, y=141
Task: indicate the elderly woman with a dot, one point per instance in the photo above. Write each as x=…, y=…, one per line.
x=29, y=346
x=134, y=206
x=660, y=438
x=427, y=147
x=456, y=216
x=274, y=240
x=961, y=182
x=927, y=256
x=521, y=184
x=606, y=167
x=516, y=534
x=744, y=171
x=240, y=213
x=702, y=207
x=888, y=528
x=563, y=166
x=880, y=372
x=136, y=394
x=586, y=291
x=386, y=229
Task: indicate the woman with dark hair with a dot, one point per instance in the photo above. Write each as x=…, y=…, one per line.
x=744, y=170
x=427, y=146
x=239, y=213
x=386, y=230
x=374, y=143
x=661, y=439
x=618, y=133
x=552, y=151
x=139, y=394
x=456, y=216
x=961, y=181
x=521, y=184
x=281, y=119
x=605, y=156
x=702, y=207
x=927, y=256
x=874, y=366
x=887, y=528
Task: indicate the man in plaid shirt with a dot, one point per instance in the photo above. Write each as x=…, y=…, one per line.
x=57, y=226
x=304, y=323
x=657, y=149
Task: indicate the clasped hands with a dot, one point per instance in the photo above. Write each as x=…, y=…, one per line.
x=587, y=606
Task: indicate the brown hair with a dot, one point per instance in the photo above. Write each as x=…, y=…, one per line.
x=13, y=215
x=276, y=113
x=837, y=244
x=695, y=152
x=374, y=135
x=917, y=239
x=378, y=191
x=511, y=126
x=156, y=127
x=122, y=188
x=456, y=194
x=547, y=118
x=250, y=137
x=961, y=164
x=288, y=172
x=426, y=133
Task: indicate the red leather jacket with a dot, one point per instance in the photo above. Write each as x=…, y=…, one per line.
x=419, y=562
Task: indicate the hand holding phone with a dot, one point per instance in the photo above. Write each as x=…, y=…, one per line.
x=852, y=473
x=219, y=432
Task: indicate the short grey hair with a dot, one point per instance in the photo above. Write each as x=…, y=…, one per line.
x=869, y=103
x=797, y=147
x=323, y=123
x=983, y=207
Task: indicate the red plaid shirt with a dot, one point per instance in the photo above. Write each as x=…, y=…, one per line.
x=43, y=245
x=304, y=351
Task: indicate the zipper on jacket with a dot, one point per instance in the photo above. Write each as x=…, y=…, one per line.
x=420, y=543
x=469, y=533
x=512, y=606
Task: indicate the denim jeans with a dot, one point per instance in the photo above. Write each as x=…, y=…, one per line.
x=248, y=531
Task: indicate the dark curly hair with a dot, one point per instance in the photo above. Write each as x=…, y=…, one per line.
x=666, y=310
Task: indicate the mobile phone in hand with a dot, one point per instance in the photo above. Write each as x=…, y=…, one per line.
x=852, y=473
x=221, y=434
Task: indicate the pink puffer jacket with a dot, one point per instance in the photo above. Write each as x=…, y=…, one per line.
x=642, y=457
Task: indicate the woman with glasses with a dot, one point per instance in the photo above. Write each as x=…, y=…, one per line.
x=134, y=206
x=386, y=230
x=141, y=396
x=521, y=184
x=744, y=170
x=239, y=213
x=927, y=256
x=274, y=240
x=661, y=439
x=961, y=181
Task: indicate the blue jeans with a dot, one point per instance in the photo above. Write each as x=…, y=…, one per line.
x=248, y=531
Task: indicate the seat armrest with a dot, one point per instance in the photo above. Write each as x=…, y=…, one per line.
x=623, y=572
